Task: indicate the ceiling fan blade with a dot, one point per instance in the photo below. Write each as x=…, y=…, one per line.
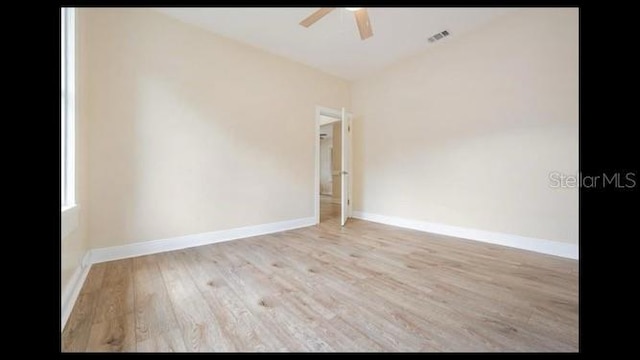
x=319, y=14
x=364, y=25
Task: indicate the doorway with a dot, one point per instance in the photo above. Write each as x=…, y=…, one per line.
x=330, y=171
x=332, y=166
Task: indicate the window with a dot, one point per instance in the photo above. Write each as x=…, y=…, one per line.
x=67, y=107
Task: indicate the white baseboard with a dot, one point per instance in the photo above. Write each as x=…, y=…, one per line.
x=187, y=241
x=549, y=247
x=72, y=290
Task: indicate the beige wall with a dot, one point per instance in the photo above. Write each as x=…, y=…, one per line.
x=178, y=139
x=75, y=245
x=466, y=134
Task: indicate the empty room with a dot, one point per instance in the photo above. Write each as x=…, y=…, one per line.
x=319, y=179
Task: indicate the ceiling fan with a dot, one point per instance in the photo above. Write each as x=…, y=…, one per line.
x=362, y=19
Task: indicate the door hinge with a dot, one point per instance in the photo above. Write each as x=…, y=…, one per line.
x=348, y=201
x=349, y=128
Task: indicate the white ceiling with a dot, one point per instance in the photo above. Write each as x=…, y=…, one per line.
x=332, y=44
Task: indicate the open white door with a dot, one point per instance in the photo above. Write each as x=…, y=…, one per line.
x=346, y=168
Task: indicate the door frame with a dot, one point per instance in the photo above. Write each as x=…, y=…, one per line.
x=322, y=113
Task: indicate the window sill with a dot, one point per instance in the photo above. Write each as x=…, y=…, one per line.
x=68, y=208
x=68, y=220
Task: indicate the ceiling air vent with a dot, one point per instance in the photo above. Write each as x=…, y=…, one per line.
x=439, y=36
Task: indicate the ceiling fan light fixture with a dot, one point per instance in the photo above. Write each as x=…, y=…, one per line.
x=361, y=15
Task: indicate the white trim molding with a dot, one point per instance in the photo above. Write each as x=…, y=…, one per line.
x=187, y=241
x=72, y=290
x=544, y=246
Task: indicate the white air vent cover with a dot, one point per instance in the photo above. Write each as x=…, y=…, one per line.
x=439, y=36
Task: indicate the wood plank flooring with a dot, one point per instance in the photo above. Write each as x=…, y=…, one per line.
x=364, y=287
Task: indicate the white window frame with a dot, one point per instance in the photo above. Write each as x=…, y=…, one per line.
x=67, y=111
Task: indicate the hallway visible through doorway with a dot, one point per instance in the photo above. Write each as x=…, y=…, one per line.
x=329, y=210
x=330, y=167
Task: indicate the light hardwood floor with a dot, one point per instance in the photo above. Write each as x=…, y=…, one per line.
x=365, y=287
